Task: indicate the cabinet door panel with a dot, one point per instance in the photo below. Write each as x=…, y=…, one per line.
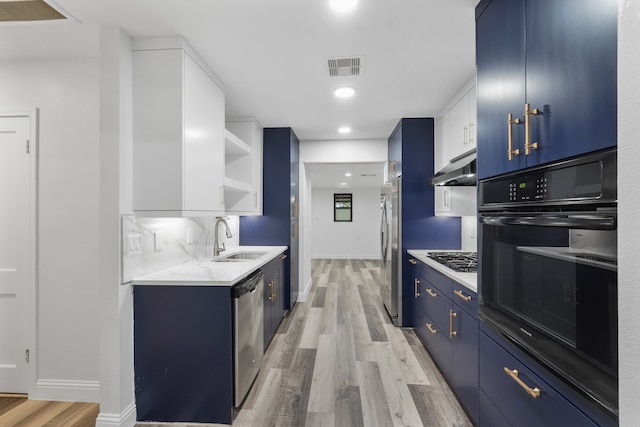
x=437, y=343
x=548, y=409
x=571, y=76
x=465, y=360
x=500, y=59
x=203, y=140
x=489, y=414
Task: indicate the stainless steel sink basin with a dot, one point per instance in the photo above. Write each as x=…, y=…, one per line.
x=245, y=255
x=239, y=257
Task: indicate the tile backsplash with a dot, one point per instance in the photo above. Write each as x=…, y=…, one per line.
x=153, y=244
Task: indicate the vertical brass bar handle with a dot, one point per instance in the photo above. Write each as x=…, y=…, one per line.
x=270, y=285
x=533, y=392
x=452, y=314
x=416, y=287
x=392, y=168
x=528, y=112
x=510, y=151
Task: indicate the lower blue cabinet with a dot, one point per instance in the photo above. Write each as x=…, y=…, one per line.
x=448, y=328
x=518, y=394
x=274, y=301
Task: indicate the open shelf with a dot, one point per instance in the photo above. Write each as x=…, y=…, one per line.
x=234, y=146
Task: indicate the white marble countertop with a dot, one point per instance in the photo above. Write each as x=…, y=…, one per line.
x=205, y=272
x=468, y=280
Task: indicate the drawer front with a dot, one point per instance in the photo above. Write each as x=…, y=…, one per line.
x=436, y=305
x=436, y=341
x=489, y=414
x=437, y=279
x=466, y=299
x=517, y=405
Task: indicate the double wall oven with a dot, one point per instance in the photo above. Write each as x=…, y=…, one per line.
x=548, y=268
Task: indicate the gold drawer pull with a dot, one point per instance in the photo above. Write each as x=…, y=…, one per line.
x=270, y=285
x=412, y=261
x=430, y=328
x=431, y=293
x=463, y=296
x=416, y=288
x=528, y=145
x=452, y=333
x=533, y=392
x=283, y=256
x=510, y=151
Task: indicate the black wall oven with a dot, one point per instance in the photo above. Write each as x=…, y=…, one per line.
x=548, y=268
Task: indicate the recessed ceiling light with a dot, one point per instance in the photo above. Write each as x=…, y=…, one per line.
x=343, y=183
x=347, y=174
x=345, y=92
x=343, y=5
x=344, y=129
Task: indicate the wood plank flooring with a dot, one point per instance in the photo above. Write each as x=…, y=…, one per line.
x=337, y=361
x=18, y=411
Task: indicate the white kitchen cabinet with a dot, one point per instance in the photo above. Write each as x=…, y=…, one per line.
x=243, y=167
x=178, y=132
x=455, y=201
x=456, y=128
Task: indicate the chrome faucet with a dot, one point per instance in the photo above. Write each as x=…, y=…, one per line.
x=216, y=246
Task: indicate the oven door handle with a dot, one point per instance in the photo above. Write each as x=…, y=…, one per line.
x=583, y=222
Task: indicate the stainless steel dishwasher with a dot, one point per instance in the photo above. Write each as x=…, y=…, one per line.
x=248, y=333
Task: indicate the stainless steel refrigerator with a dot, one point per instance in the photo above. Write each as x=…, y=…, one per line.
x=390, y=248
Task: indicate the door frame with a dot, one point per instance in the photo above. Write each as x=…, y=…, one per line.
x=32, y=315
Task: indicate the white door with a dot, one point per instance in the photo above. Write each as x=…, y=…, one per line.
x=15, y=217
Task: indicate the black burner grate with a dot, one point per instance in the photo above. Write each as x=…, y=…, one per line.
x=462, y=262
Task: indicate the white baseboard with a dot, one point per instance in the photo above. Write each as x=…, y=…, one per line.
x=126, y=418
x=68, y=390
x=302, y=296
x=345, y=256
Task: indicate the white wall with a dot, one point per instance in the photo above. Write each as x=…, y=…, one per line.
x=344, y=151
x=66, y=92
x=629, y=206
x=359, y=239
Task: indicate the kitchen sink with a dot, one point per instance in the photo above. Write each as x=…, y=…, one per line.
x=239, y=257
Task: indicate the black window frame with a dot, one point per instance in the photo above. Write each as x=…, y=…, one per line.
x=336, y=200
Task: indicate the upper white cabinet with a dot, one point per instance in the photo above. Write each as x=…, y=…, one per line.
x=178, y=132
x=456, y=128
x=243, y=167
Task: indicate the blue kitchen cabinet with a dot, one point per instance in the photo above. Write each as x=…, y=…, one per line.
x=446, y=321
x=278, y=225
x=274, y=307
x=558, y=57
x=183, y=353
x=412, y=141
x=524, y=393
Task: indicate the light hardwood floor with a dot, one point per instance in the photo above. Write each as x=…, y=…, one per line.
x=337, y=361
x=17, y=411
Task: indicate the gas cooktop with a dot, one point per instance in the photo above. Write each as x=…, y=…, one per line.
x=461, y=262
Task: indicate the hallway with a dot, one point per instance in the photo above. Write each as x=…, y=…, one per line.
x=338, y=361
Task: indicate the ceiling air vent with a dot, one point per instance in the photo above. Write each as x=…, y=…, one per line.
x=343, y=67
x=27, y=10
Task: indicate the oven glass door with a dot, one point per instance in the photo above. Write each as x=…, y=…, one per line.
x=556, y=275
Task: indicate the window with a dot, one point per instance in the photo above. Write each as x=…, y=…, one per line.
x=342, y=208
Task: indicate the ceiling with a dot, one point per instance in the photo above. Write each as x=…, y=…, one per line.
x=272, y=55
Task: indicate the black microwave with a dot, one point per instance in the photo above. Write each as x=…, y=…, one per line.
x=548, y=272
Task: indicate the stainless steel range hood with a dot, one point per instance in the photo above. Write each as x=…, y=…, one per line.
x=460, y=171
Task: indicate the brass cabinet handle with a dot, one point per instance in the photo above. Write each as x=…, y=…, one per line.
x=464, y=136
x=513, y=373
x=392, y=168
x=222, y=196
x=412, y=261
x=471, y=138
x=294, y=230
x=255, y=200
x=528, y=112
x=430, y=328
x=270, y=285
x=275, y=289
x=463, y=296
x=510, y=151
x=416, y=288
x=295, y=210
x=452, y=314
x=283, y=256
x=431, y=293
